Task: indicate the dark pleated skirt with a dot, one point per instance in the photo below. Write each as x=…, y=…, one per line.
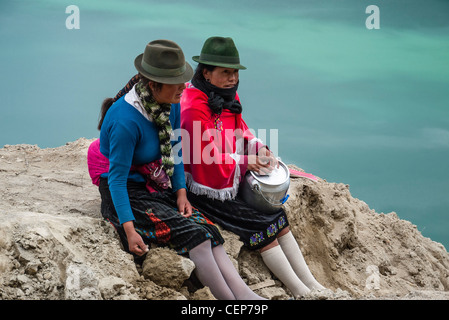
x=255, y=229
x=157, y=219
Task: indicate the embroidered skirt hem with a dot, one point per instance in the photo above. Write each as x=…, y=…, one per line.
x=157, y=219
x=255, y=229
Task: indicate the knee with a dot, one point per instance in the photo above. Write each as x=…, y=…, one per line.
x=283, y=232
x=269, y=246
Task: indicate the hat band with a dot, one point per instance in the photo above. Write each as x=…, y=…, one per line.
x=220, y=59
x=159, y=72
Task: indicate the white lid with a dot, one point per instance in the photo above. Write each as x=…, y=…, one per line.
x=277, y=177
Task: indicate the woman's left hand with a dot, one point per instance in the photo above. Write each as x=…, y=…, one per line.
x=184, y=206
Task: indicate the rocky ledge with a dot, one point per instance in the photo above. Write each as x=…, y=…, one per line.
x=55, y=245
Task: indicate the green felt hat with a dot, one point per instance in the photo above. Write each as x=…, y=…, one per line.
x=220, y=52
x=163, y=61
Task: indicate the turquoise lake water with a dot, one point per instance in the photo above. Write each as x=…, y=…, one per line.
x=365, y=107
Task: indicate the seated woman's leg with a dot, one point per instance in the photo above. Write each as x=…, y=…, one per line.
x=275, y=259
x=293, y=253
x=208, y=271
x=238, y=287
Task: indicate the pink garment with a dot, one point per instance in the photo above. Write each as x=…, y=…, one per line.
x=98, y=164
x=297, y=173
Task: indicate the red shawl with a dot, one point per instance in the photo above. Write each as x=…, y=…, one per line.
x=216, y=149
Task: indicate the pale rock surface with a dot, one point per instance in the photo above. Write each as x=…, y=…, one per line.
x=166, y=268
x=54, y=243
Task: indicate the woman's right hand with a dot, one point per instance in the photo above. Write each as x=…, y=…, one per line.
x=260, y=164
x=135, y=242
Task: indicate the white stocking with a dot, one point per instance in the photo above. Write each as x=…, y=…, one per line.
x=277, y=262
x=238, y=287
x=208, y=271
x=293, y=253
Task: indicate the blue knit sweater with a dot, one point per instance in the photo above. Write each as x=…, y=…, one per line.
x=128, y=138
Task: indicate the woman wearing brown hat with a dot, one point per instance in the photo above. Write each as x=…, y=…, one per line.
x=141, y=182
x=210, y=107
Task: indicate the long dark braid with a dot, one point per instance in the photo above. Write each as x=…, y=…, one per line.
x=108, y=102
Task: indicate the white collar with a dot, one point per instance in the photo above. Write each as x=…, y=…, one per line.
x=133, y=99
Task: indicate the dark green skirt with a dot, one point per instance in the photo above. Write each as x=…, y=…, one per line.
x=255, y=229
x=157, y=219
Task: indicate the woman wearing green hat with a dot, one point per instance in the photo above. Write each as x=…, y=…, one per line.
x=141, y=182
x=210, y=107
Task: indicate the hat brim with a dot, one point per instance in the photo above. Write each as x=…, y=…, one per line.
x=185, y=77
x=219, y=64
